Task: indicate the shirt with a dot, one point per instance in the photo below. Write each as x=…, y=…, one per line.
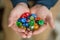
x=47, y=3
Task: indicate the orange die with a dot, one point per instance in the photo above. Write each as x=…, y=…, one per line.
x=36, y=26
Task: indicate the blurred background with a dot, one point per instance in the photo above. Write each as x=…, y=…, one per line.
x=8, y=34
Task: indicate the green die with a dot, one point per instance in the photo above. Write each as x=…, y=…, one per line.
x=31, y=27
x=41, y=22
x=31, y=18
x=19, y=24
x=31, y=23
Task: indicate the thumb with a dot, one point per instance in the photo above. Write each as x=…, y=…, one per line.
x=51, y=21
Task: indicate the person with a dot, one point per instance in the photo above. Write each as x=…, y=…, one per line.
x=41, y=8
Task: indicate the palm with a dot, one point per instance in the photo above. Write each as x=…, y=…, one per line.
x=15, y=14
x=45, y=14
x=41, y=12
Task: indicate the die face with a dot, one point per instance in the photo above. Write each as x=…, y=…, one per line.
x=36, y=26
x=23, y=20
x=19, y=24
x=31, y=23
x=23, y=16
x=26, y=25
x=31, y=18
x=34, y=15
x=41, y=22
x=31, y=27
x=27, y=14
x=37, y=18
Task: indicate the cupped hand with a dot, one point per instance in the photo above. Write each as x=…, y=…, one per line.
x=44, y=13
x=39, y=10
x=14, y=15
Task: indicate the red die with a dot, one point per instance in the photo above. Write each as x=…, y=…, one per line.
x=24, y=15
x=37, y=18
x=27, y=14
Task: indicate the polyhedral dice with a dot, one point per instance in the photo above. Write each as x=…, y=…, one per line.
x=29, y=21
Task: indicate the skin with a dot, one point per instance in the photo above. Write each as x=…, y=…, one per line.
x=44, y=13
x=39, y=10
x=14, y=15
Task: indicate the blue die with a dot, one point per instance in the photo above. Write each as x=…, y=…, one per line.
x=23, y=20
x=34, y=15
x=26, y=25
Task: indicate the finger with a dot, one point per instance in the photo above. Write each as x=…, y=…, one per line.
x=21, y=34
x=40, y=30
x=10, y=24
x=51, y=21
x=29, y=34
x=16, y=29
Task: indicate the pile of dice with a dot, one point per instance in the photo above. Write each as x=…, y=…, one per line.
x=29, y=21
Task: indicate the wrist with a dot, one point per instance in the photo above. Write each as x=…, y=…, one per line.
x=15, y=2
x=40, y=6
x=22, y=4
